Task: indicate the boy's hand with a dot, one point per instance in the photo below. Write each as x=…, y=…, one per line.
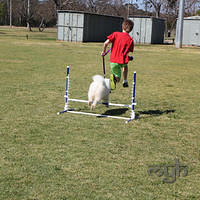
x=103, y=53
x=130, y=58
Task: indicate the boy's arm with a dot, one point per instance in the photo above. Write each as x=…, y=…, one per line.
x=105, y=47
x=131, y=49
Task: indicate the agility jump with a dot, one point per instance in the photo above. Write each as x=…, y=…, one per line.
x=69, y=110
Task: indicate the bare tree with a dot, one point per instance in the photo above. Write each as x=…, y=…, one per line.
x=91, y=4
x=119, y=8
x=191, y=6
x=166, y=5
x=156, y=4
x=43, y=12
x=58, y=4
x=109, y=7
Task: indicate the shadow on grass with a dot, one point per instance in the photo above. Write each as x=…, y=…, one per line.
x=121, y=111
x=153, y=112
x=115, y=112
x=150, y=113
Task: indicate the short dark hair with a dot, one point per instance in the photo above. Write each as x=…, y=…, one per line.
x=127, y=25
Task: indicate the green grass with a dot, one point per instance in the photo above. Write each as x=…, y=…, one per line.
x=45, y=156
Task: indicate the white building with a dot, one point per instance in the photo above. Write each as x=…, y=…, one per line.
x=147, y=30
x=191, y=31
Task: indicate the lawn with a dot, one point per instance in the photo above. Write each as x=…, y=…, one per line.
x=67, y=157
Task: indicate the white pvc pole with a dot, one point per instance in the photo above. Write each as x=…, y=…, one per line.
x=28, y=13
x=98, y=115
x=10, y=13
x=179, y=31
x=110, y=104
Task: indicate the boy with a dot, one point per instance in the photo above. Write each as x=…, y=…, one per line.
x=122, y=44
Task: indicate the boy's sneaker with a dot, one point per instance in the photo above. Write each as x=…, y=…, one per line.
x=112, y=82
x=125, y=84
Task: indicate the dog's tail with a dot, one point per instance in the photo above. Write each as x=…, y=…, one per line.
x=98, y=78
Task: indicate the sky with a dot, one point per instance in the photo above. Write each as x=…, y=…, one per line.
x=139, y=2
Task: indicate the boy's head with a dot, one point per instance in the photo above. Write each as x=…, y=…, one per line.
x=127, y=25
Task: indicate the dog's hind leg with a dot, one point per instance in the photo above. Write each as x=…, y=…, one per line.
x=97, y=98
x=89, y=103
x=93, y=105
x=90, y=100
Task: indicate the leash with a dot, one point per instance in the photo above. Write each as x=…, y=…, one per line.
x=104, y=69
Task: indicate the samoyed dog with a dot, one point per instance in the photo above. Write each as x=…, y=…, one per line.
x=99, y=90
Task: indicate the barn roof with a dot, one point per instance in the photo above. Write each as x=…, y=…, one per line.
x=192, y=18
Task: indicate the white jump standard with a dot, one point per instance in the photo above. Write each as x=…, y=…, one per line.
x=67, y=100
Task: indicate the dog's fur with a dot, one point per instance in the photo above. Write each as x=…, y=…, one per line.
x=99, y=90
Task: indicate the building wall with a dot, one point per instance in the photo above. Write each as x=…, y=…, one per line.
x=191, y=32
x=148, y=30
x=98, y=27
x=141, y=32
x=85, y=27
x=70, y=26
x=158, y=31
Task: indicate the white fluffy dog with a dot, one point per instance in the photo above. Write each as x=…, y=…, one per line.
x=99, y=90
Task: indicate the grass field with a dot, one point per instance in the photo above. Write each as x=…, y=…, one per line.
x=45, y=156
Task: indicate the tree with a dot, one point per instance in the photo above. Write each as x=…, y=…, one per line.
x=171, y=8
x=91, y=4
x=120, y=9
x=21, y=11
x=170, y=12
x=45, y=14
x=58, y=4
x=191, y=6
x=156, y=4
x=2, y=13
x=170, y=5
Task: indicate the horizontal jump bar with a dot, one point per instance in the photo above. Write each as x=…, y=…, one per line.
x=110, y=104
x=98, y=115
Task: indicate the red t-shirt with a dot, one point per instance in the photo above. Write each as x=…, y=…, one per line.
x=122, y=44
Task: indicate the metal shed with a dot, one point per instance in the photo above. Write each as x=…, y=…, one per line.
x=191, y=31
x=75, y=26
x=148, y=30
